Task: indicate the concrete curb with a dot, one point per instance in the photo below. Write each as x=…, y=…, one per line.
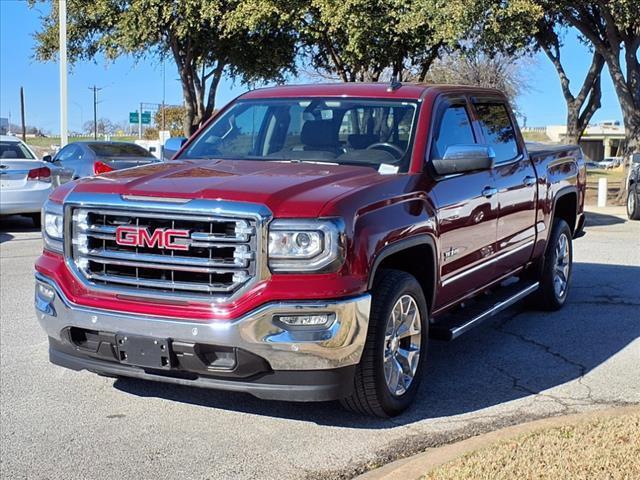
x=417, y=465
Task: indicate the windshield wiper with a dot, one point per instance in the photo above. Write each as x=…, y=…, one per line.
x=295, y=160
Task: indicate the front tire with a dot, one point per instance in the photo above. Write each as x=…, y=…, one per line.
x=388, y=375
x=633, y=203
x=555, y=277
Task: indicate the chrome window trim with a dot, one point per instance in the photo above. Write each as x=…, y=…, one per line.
x=475, y=268
x=199, y=208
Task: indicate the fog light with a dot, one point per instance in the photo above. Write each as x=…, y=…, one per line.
x=316, y=320
x=45, y=292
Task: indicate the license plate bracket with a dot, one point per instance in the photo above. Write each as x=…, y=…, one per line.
x=142, y=351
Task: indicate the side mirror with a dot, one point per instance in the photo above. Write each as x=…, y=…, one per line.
x=172, y=145
x=47, y=158
x=465, y=158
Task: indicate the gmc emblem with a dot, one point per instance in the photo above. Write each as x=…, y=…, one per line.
x=160, y=238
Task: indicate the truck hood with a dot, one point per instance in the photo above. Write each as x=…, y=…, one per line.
x=287, y=189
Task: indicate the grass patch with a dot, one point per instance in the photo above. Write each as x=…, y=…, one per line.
x=613, y=174
x=605, y=448
x=536, y=137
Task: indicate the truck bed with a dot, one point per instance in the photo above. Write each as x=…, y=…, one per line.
x=557, y=150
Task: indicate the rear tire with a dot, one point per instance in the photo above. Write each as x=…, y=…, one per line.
x=388, y=375
x=555, y=277
x=633, y=203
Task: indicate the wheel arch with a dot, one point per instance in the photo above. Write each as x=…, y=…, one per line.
x=565, y=206
x=400, y=255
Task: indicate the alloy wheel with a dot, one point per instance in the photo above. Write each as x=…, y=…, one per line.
x=562, y=266
x=402, y=344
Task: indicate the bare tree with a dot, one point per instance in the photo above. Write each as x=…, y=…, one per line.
x=501, y=71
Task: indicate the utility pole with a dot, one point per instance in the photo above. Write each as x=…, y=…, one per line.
x=140, y=122
x=95, y=111
x=163, y=94
x=24, y=128
x=163, y=112
x=62, y=41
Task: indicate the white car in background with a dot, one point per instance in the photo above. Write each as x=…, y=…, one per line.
x=25, y=181
x=610, y=162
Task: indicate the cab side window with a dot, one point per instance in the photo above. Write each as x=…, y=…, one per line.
x=498, y=131
x=454, y=129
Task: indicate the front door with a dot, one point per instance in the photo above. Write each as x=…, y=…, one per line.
x=467, y=210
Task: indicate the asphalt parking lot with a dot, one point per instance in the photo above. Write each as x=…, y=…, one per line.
x=522, y=365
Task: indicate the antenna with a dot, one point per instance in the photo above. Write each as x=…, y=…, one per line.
x=395, y=84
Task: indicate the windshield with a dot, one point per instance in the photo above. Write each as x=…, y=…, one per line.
x=14, y=150
x=339, y=131
x=118, y=150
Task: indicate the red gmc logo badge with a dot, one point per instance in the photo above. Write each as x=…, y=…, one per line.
x=160, y=238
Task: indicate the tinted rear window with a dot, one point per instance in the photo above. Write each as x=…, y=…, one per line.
x=16, y=150
x=498, y=131
x=118, y=150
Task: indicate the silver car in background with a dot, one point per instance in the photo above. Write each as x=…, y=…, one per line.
x=85, y=159
x=25, y=181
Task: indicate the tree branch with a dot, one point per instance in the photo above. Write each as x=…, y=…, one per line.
x=593, y=76
x=426, y=63
x=593, y=105
x=213, y=89
x=548, y=42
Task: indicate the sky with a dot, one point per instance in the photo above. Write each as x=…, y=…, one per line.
x=126, y=82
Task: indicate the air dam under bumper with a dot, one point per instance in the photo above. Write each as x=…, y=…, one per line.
x=263, y=356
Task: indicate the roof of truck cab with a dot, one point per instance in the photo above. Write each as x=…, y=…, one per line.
x=406, y=91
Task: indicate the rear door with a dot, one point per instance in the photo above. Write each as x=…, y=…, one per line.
x=515, y=179
x=466, y=209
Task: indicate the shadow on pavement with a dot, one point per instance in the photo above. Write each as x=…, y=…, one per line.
x=517, y=354
x=13, y=224
x=594, y=219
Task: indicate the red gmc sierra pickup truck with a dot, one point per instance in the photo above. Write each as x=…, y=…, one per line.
x=307, y=242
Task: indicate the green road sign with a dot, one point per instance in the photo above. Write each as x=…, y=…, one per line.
x=146, y=117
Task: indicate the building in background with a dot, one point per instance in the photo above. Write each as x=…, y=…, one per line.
x=4, y=126
x=599, y=141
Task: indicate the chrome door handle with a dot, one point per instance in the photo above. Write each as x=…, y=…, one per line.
x=529, y=181
x=489, y=192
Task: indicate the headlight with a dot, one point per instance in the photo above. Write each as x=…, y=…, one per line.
x=305, y=245
x=52, y=226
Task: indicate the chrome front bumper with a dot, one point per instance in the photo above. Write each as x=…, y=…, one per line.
x=307, y=348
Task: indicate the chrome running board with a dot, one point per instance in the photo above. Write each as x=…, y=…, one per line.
x=461, y=321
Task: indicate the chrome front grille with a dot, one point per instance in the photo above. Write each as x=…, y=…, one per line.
x=214, y=256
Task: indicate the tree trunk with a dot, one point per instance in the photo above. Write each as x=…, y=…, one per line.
x=574, y=132
x=582, y=107
x=607, y=39
x=630, y=105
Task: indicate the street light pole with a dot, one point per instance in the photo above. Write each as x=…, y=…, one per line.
x=62, y=39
